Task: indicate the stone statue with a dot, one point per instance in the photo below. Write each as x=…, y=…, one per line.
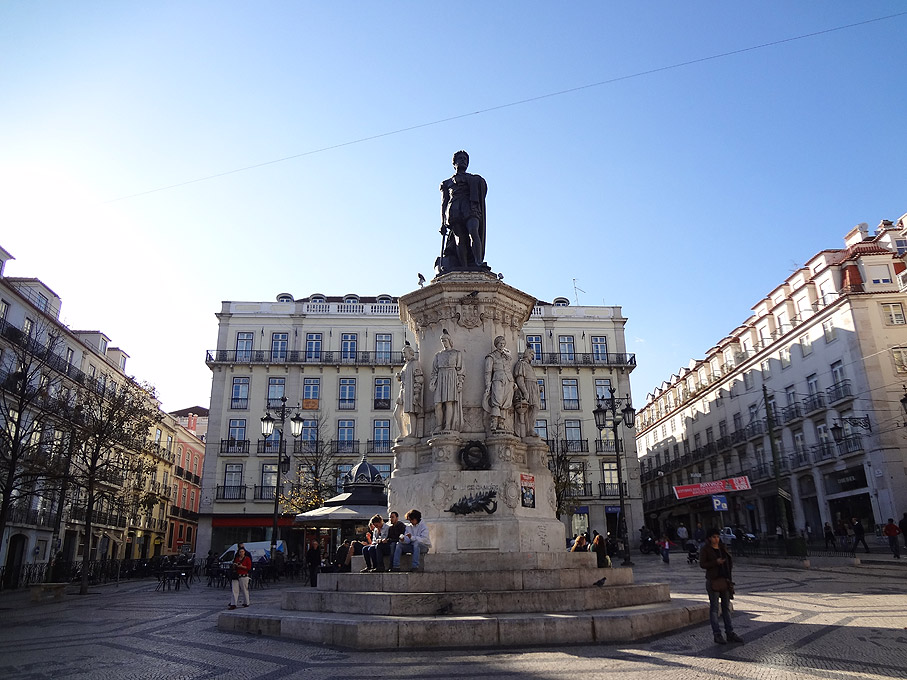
x=409, y=411
x=498, y=400
x=528, y=399
x=462, y=219
x=446, y=383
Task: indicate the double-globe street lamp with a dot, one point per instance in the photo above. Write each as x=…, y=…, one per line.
x=609, y=414
x=283, y=460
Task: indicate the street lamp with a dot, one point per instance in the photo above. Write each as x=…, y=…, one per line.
x=283, y=461
x=607, y=415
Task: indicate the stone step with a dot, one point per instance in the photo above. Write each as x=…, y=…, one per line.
x=479, y=602
x=467, y=582
x=493, y=561
x=369, y=631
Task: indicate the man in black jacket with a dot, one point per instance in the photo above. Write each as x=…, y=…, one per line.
x=717, y=562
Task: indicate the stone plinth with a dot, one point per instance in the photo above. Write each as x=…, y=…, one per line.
x=441, y=474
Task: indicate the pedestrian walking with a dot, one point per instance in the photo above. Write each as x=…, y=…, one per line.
x=829, y=536
x=718, y=564
x=892, y=531
x=313, y=562
x=665, y=545
x=859, y=535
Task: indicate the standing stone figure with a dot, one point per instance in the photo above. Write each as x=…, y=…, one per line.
x=529, y=398
x=446, y=383
x=498, y=400
x=409, y=411
x=462, y=218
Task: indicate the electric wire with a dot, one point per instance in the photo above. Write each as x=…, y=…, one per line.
x=519, y=102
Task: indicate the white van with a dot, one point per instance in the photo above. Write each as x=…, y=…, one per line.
x=256, y=551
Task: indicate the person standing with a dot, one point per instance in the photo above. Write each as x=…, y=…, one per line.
x=718, y=565
x=313, y=562
x=682, y=534
x=829, y=536
x=600, y=548
x=699, y=535
x=242, y=567
x=859, y=535
x=892, y=531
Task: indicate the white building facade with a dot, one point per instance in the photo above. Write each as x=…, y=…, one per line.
x=803, y=399
x=336, y=358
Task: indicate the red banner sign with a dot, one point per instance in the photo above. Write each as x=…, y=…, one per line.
x=709, y=488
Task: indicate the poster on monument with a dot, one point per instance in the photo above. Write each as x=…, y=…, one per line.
x=527, y=487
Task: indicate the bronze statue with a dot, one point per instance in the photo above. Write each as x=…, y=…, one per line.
x=462, y=219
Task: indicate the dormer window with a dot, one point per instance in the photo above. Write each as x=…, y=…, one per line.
x=317, y=299
x=351, y=300
x=103, y=346
x=284, y=297
x=561, y=302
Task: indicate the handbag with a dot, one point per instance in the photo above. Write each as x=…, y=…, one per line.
x=722, y=584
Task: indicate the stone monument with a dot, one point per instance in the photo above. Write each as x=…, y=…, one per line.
x=478, y=472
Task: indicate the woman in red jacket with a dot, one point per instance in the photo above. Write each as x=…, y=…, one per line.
x=242, y=567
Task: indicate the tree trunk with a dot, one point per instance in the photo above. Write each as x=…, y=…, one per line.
x=86, y=553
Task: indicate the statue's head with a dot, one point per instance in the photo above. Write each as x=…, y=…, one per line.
x=408, y=351
x=500, y=342
x=445, y=339
x=461, y=160
x=529, y=353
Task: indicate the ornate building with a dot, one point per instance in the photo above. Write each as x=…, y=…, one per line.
x=337, y=359
x=803, y=399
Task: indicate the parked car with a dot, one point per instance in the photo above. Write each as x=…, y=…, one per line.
x=731, y=534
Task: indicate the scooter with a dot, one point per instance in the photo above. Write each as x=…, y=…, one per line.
x=648, y=546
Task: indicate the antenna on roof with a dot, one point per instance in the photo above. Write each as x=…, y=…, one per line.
x=575, y=295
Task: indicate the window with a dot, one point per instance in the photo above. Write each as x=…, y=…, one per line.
x=195, y=465
x=341, y=473
x=790, y=394
x=828, y=328
x=754, y=412
x=103, y=346
x=602, y=388
x=599, y=348
x=158, y=435
x=722, y=429
x=28, y=327
x=311, y=393
x=240, y=397
x=748, y=380
x=346, y=433
x=347, y=394
x=244, y=346
x=233, y=474
x=381, y=433
x=570, y=389
x=738, y=422
x=279, y=346
x=901, y=245
x=900, y=359
x=573, y=430
x=276, y=388
x=313, y=347
x=879, y=273
x=541, y=428
x=893, y=314
x=268, y=475
x=543, y=400
x=69, y=355
x=348, y=344
x=785, y=357
x=697, y=441
x=566, y=347
x=382, y=393
x=383, y=346
x=837, y=372
x=609, y=478
x=237, y=429
x=766, y=369
x=4, y=309
x=535, y=342
x=812, y=384
x=822, y=433
x=806, y=345
x=309, y=431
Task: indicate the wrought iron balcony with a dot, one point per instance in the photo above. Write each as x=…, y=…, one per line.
x=239, y=404
x=231, y=493
x=571, y=404
x=585, y=359
x=315, y=357
x=378, y=446
x=579, y=489
x=264, y=493
x=381, y=404
x=610, y=489
x=345, y=446
x=813, y=403
x=791, y=413
x=575, y=445
x=234, y=446
x=800, y=457
x=755, y=429
x=839, y=392
x=269, y=446
x=852, y=443
x=307, y=445
x=346, y=404
x=823, y=451
x=605, y=446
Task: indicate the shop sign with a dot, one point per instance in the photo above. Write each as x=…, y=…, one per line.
x=710, y=488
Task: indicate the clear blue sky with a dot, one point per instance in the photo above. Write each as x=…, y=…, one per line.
x=683, y=195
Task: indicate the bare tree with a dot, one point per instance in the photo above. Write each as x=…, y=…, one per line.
x=35, y=412
x=114, y=427
x=315, y=473
x=564, y=471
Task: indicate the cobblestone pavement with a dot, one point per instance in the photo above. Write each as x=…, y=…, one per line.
x=838, y=622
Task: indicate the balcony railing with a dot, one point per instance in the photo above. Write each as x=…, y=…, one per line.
x=585, y=359
x=853, y=443
x=345, y=446
x=307, y=445
x=823, y=451
x=379, y=446
x=265, y=493
x=315, y=357
x=571, y=404
x=239, y=404
x=814, y=402
x=381, y=404
x=234, y=446
x=791, y=413
x=604, y=446
x=839, y=392
x=231, y=493
x=800, y=457
x=755, y=429
x=346, y=404
x=578, y=489
x=270, y=446
x=610, y=489
x=575, y=445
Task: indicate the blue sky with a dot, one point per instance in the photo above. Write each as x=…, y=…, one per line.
x=683, y=195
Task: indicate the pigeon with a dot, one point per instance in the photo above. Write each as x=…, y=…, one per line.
x=446, y=609
x=600, y=582
x=421, y=280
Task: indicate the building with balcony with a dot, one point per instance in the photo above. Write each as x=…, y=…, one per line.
x=47, y=507
x=336, y=358
x=803, y=399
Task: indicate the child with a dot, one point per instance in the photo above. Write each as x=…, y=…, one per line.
x=665, y=544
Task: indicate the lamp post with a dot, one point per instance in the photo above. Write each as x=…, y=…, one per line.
x=283, y=461
x=609, y=414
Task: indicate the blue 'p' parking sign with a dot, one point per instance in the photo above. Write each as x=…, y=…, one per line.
x=719, y=503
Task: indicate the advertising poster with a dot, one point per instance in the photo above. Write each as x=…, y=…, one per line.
x=527, y=489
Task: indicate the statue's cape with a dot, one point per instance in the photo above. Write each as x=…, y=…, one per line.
x=478, y=189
